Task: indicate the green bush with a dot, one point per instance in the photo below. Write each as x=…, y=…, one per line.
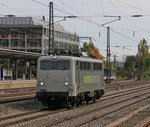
x=147, y=74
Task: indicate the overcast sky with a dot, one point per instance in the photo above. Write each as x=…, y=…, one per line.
x=126, y=32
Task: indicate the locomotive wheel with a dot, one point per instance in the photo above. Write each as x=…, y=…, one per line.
x=80, y=102
x=87, y=101
x=72, y=102
x=69, y=107
x=50, y=106
x=94, y=100
x=77, y=103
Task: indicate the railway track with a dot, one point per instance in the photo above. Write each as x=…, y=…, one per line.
x=16, y=94
x=20, y=118
x=114, y=85
x=25, y=117
x=146, y=124
x=17, y=90
x=122, y=85
x=5, y=98
x=91, y=115
x=30, y=94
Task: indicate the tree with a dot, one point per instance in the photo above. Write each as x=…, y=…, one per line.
x=85, y=47
x=147, y=67
x=129, y=66
x=92, y=50
x=143, y=53
x=139, y=65
x=147, y=62
x=144, y=48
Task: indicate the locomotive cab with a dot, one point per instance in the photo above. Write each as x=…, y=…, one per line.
x=53, y=80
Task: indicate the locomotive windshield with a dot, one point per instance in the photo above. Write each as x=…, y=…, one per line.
x=54, y=65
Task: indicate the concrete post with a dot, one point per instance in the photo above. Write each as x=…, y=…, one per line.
x=25, y=39
x=9, y=37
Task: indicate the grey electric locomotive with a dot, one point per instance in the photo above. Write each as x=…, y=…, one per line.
x=69, y=80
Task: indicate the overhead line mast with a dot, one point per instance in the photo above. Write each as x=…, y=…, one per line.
x=108, y=65
x=51, y=27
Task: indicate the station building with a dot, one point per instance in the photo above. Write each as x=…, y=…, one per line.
x=30, y=35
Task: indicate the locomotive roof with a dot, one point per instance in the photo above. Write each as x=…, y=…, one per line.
x=87, y=59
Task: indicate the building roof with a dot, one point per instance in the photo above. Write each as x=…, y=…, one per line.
x=13, y=21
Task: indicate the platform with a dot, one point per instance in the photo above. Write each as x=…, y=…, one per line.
x=17, y=84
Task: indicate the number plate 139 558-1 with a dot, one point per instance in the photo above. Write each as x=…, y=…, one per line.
x=42, y=90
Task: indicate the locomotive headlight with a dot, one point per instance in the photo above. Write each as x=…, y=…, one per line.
x=54, y=57
x=66, y=83
x=41, y=83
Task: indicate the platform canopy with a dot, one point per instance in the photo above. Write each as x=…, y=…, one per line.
x=14, y=54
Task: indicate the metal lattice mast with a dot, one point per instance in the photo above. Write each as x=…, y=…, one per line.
x=108, y=65
x=51, y=28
